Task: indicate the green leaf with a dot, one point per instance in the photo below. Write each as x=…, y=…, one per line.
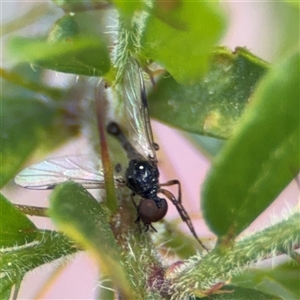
x=262, y=157
x=17, y=261
x=15, y=227
x=64, y=30
x=26, y=125
x=127, y=8
x=6, y=286
x=23, y=80
x=80, y=216
x=77, y=55
x=282, y=280
x=293, y=3
x=231, y=292
x=180, y=35
x=214, y=105
x=287, y=19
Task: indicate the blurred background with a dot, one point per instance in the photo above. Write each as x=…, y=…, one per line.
x=266, y=29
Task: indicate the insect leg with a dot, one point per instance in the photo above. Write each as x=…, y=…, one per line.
x=151, y=226
x=183, y=214
x=147, y=226
x=132, y=200
x=173, y=182
x=137, y=221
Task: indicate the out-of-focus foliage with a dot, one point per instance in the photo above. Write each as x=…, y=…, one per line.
x=203, y=90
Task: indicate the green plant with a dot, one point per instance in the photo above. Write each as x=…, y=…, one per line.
x=210, y=91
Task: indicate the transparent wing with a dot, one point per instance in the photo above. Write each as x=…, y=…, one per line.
x=49, y=173
x=136, y=107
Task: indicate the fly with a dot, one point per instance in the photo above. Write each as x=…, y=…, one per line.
x=141, y=175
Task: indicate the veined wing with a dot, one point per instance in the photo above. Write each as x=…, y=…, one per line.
x=78, y=168
x=136, y=107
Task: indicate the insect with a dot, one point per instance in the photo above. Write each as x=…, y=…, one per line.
x=141, y=176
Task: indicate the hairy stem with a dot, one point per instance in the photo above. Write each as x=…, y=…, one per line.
x=199, y=274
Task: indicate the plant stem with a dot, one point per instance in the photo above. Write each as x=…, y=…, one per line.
x=15, y=78
x=201, y=273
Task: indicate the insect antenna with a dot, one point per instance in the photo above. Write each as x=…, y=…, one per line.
x=115, y=130
x=183, y=214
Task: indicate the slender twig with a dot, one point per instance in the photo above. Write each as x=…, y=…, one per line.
x=32, y=210
x=28, y=84
x=101, y=106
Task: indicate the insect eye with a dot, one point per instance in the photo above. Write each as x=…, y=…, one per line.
x=151, y=211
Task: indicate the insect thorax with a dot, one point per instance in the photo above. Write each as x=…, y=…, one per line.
x=142, y=178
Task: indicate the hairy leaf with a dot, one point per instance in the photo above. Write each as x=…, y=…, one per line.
x=15, y=227
x=80, y=216
x=27, y=125
x=177, y=36
x=261, y=158
x=214, y=105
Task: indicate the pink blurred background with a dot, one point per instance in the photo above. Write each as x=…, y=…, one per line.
x=251, y=25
